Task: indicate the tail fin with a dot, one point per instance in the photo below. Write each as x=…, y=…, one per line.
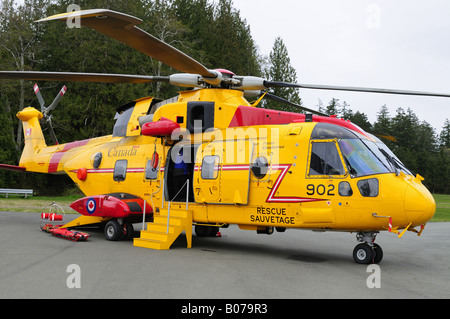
x=34, y=138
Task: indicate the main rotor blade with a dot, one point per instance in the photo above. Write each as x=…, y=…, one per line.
x=280, y=99
x=274, y=84
x=80, y=77
x=122, y=27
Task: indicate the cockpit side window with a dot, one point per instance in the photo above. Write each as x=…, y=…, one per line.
x=325, y=160
x=122, y=118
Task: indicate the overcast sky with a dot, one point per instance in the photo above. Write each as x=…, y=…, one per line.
x=397, y=44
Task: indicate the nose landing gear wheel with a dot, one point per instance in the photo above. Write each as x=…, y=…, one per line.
x=378, y=253
x=206, y=231
x=365, y=254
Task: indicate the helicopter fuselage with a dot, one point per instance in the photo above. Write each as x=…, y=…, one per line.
x=210, y=159
x=243, y=165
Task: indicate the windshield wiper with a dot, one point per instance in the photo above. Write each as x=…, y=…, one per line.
x=391, y=161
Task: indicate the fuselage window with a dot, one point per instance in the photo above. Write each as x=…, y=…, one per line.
x=325, y=160
x=210, y=167
x=120, y=170
x=369, y=187
x=96, y=160
x=345, y=189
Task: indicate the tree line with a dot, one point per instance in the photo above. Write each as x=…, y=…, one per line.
x=212, y=32
x=415, y=142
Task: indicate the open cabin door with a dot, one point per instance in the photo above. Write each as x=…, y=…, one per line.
x=178, y=173
x=222, y=172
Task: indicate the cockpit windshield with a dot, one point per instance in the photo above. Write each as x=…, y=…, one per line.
x=360, y=159
x=361, y=155
x=395, y=163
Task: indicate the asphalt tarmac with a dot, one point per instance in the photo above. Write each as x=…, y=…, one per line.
x=296, y=264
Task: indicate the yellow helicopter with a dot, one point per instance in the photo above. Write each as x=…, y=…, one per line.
x=209, y=159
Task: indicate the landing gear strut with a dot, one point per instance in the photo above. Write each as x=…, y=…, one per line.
x=367, y=252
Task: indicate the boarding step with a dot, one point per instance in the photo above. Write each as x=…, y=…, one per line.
x=177, y=221
x=151, y=244
x=174, y=212
x=160, y=235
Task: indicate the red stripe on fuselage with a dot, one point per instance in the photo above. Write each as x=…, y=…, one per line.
x=56, y=158
x=284, y=168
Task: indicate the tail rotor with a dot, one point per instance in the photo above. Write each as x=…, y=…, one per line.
x=46, y=110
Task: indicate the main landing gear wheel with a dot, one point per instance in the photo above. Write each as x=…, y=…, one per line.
x=206, y=231
x=378, y=253
x=113, y=230
x=127, y=231
x=367, y=252
x=363, y=254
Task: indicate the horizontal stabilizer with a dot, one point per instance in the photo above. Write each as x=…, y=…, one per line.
x=12, y=168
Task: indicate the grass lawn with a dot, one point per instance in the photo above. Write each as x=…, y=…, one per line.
x=36, y=204
x=442, y=208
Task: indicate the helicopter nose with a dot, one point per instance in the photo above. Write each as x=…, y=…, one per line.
x=419, y=204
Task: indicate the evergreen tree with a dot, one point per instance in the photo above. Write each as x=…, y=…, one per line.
x=280, y=69
x=231, y=46
x=198, y=17
x=382, y=127
x=319, y=106
x=219, y=37
x=444, y=137
x=404, y=126
x=440, y=173
x=361, y=120
x=333, y=107
x=346, y=112
x=88, y=109
x=441, y=163
x=19, y=47
x=383, y=123
x=426, y=138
